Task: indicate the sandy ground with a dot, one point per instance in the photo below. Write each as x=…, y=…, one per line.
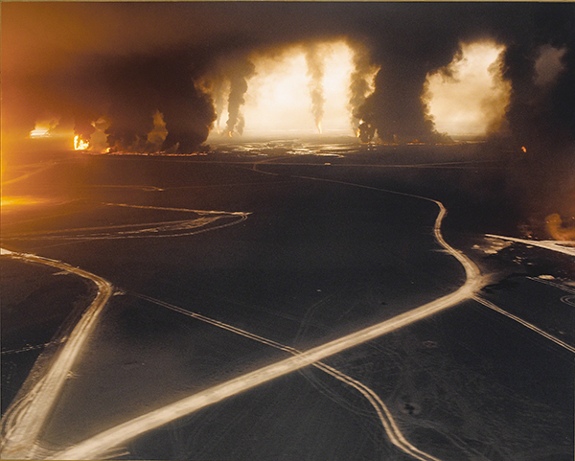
x=312, y=262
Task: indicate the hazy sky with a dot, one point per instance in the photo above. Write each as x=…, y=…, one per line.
x=79, y=61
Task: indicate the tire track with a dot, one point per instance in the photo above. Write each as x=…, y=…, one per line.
x=101, y=443
x=519, y=320
x=24, y=420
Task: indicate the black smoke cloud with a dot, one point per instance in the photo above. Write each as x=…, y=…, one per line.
x=542, y=116
x=128, y=60
x=134, y=88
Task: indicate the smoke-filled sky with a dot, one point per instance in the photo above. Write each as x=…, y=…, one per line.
x=154, y=74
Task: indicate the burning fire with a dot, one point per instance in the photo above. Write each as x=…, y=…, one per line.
x=524, y=149
x=303, y=89
x=80, y=144
x=365, y=132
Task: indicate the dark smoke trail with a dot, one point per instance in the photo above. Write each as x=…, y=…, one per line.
x=360, y=85
x=315, y=71
x=146, y=56
x=217, y=85
x=241, y=70
x=400, y=111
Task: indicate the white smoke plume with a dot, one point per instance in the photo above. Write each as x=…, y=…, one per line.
x=99, y=138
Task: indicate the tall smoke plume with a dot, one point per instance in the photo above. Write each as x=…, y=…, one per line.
x=361, y=86
x=315, y=71
x=240, y=71
x=130, y=59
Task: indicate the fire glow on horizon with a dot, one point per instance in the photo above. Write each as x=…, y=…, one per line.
x=469, y=96
x=310, y=88
x=44, y=128
x=305, y=89
x=80, y=144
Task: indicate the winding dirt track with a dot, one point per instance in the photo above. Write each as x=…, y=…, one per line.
x=384, y=415
x=103, y=443
x=22, y=424
x=565, y=247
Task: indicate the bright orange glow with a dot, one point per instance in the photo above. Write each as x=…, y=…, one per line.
x=279, y=99
x=9, y=203
x=41, y=132
x=524, y=149
x=44, y=127
x=80, y=144
x=469, y=96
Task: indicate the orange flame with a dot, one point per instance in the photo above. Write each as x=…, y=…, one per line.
x=80, y=144
x=524, y=149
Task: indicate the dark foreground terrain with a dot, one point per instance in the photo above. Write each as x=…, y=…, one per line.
x=298, y=244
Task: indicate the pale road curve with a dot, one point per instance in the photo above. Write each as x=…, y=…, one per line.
x=164, y=229
x=23, y=422
x=101, y=443
x=160, y=229
x=566, y=247
x=385, y=417
x=551, y=283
